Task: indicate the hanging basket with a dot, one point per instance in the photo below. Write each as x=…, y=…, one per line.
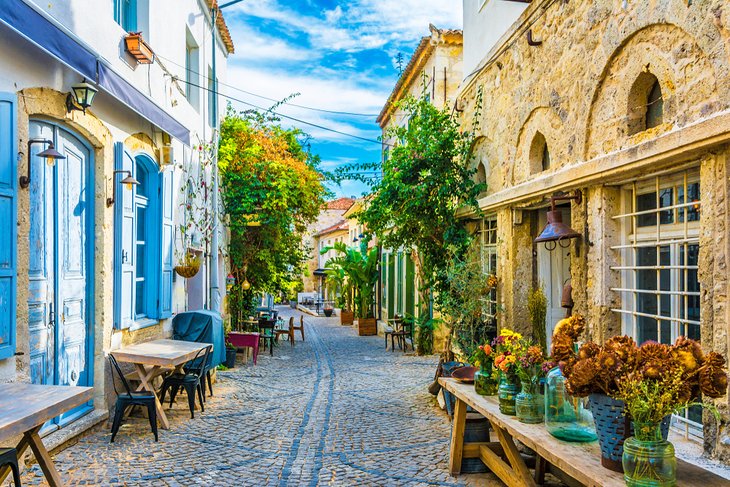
x=188, y=267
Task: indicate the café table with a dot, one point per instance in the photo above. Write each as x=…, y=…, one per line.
x=25, y=408
x=151, y=358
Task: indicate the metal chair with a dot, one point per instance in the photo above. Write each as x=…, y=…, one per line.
x=130, y=398
x=9, y=458
x=267, y=333
x=191, y=382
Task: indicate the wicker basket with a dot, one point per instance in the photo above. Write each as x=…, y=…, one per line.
x=187, y=271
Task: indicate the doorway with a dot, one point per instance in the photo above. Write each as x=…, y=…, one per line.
x=60, y=271
x=553, y=270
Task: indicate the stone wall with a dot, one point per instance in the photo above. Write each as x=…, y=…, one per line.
x=584, y=91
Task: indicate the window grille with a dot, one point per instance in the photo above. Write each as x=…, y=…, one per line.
x=488, y=244
x=660, y=291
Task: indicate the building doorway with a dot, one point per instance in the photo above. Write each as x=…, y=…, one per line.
x=60, y=271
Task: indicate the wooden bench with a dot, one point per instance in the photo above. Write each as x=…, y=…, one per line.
x=574, y=463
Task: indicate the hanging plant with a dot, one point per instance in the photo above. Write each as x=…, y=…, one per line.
x=188, y=266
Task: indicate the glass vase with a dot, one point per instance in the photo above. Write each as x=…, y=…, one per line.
x=528, y=403
x=507, y=392
x=484, y=383
x=648, y=459
x=566, y=417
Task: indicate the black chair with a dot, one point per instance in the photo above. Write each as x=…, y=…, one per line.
x=267, y=333
x=130, y=398
x=191, y=382
x=9, y=458
x=195, y=368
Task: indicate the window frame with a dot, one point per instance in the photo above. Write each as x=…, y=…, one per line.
x=487, y=233
x=126, y=14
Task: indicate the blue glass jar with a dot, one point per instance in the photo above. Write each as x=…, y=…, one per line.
x=566, y=417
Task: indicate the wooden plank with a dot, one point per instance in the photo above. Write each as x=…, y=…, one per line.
x=25, y=406
x=580, y=461
x=518, y=464
x=499, y=467
x=162, y=352
x=44, y=459
x=473, y=449
x=457, y=437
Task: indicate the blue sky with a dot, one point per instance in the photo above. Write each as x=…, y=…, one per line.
x=337, y=55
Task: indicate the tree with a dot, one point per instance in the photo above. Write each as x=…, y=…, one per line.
x=271, y=189
x=426, y=179
x=360, y=267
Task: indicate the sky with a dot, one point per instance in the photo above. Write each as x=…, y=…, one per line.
x=336, y=55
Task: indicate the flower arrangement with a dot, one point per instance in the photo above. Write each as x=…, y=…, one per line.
x=492, y=281
x=483, y=357
x=530, y=363
x=507, y=345
x=653, y=379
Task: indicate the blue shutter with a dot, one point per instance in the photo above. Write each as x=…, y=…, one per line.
x=123, y=242
x=8, y=222
x=167, y=195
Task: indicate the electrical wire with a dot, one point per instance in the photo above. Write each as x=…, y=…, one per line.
x=298, y=120
x=323, y=110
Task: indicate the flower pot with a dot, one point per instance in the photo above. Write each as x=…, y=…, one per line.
x=648, y=459
x=367, y=326
x=613, y=428
x=507, y=393
x=138, y=48
x=347, y=317
x=230, y=358
x=529, y=405
x=328, y=312
x=484, y=383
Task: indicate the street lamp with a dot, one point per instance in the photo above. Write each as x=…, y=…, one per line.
x=556, y=232
x=50, y=154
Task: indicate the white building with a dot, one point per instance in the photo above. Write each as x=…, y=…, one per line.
x=86, y=265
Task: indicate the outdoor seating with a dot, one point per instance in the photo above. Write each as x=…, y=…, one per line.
x=130, y=398
x=289, y=332
x=191, y=382
x=267, y=333
x=9, y=457
x=202, y=326
x=399, y=330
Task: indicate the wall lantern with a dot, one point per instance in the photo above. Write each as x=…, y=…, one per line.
x=81, y=97
x=128, y=182
x=556, y=232
x=50, y=154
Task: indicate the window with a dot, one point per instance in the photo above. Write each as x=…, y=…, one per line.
x=539, y=154
x=646, y=104
x=660, y=291
x=488, y=243
x=192, y=67
x=125, y=14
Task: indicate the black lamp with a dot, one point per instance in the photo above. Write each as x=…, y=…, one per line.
x=556, y=232
x=50, y=154
x=128, y=181
x=81, y=97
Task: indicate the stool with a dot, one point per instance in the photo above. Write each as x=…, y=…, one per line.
x=9, y=457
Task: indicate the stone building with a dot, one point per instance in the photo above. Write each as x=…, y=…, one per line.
x=435, y=72
x=86, y=263
x=624, y=104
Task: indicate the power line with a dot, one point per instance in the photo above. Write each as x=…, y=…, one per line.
x=321, y=127
x=323, y=110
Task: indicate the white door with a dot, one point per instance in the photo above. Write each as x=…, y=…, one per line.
x=553, y=269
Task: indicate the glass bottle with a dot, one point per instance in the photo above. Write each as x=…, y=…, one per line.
x=528, y=403
x=648, y=459
x=507, y=392
x=566, y=417
x=484, y=383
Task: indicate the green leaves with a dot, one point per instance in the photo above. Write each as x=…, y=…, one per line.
x=360, y=268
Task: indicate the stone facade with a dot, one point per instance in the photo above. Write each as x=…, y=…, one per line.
x=584, y=92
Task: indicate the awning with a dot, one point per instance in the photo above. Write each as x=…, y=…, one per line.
x=320, y=272
x=51, y=38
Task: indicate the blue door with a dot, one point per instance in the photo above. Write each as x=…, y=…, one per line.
x=60, y=304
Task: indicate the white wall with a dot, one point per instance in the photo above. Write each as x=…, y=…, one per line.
x=485, y=21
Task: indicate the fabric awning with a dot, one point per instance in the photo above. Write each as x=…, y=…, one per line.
x=51, y=38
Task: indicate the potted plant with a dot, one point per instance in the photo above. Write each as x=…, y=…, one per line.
x=634, y=390
x=507, y=345
x=230, y=355
x=188, y=266
x=328, y=309
x=360, y=267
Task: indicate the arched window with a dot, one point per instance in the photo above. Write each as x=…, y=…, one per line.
x=646, y=104
x=539, y=154
x=481, y=174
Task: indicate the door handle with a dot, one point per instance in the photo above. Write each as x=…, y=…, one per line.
x=51, y=317
x=124, y=256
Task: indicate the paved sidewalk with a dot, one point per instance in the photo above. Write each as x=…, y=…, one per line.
x=334, y=410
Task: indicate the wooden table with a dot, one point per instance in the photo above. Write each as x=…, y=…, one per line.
x=150, y=358
x=576, y=463
x=25, y=408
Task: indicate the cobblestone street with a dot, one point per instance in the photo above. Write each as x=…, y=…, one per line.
x=336, y=409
